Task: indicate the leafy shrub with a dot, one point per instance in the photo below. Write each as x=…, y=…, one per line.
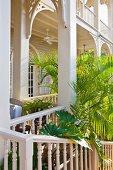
x=35, y=105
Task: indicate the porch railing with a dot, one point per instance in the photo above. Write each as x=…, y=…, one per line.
x=89, y=16
x=17, y=146
x=41, y=117
x=84, y=12
x=108, y=152
x=51, y=152
x=49, y=97
x=105, y=30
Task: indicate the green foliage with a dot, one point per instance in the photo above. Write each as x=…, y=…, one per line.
x=69, y=127
x=94, y=94
x=93, y=106
x=48, y=63
x=35, y=105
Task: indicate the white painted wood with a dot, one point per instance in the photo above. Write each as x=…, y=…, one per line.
x=57, y=157
x=26, y=154
x=32, y=126
x=23, y=126
x=89, y=152
x=76, y=156
x=40, y=122
x=39, y=156
x=35, y=115
x=4, y=67
x=71, y=156
x=66, y=53
x=65, y=156
x=110, y=18
x=14, y=156
x=81, y=158
x=21, y=51
x=49, y=157
x=85, y=157
x=47, y=119
x=5, y=154
x=97, y=14
x=13, y=128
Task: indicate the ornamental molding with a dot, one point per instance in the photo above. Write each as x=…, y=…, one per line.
x=33, y=8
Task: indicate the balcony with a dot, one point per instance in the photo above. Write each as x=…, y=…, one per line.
x=87, y=15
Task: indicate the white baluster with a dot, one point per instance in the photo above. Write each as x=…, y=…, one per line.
x=112, y=156
x=32, y=127
x=39, y=156
x=81, y=158
x=23, y=126
x=57, y=157
x=47, y=120
x=85, y=157
x=40, y=122
x=26, y=154
x=76, y=156
x=53, y=118
x=49, y=157
x=65, y=156
x=89, y=159
x=71, y=156
x=6, y=155
x=13, y=128
x=14, y=162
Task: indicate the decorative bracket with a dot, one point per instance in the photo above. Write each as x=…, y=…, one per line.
x=34, y=8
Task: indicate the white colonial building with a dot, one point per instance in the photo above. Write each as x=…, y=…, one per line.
x=26, y=27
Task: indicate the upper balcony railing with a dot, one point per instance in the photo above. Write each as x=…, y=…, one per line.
x=84, y=12
x=105, y=30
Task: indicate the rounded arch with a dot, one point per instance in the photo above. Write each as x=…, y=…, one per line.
x=40, y=6
x=32, y=50
x=85, y=41
x=105, y=50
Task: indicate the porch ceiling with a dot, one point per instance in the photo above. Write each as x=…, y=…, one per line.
x=48, y=20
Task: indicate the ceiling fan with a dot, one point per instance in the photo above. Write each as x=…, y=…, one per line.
x=49, y=39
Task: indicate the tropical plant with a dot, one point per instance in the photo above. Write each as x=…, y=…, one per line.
x=35, y=105
x=94, y=94
x=69, y=127
x=48, y=65
x=93, y=105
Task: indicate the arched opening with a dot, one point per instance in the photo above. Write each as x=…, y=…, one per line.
x=85, y=41
x=44, y=37
x=105, y=50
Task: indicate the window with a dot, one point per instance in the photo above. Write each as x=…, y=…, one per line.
x=30, y=79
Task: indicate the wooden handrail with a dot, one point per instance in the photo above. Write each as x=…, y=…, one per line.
x=34, y=115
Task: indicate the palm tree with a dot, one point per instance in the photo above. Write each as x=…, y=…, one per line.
x=92, y=109
x=48, y=64
x=94, y=94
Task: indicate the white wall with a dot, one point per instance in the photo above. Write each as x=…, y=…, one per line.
x=4, y=64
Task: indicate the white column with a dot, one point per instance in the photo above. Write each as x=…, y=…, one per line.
x=110, y=17
x=4, y=65
x=98, y=47
x=97, y=14
x=66, y=52
x=21, y=51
